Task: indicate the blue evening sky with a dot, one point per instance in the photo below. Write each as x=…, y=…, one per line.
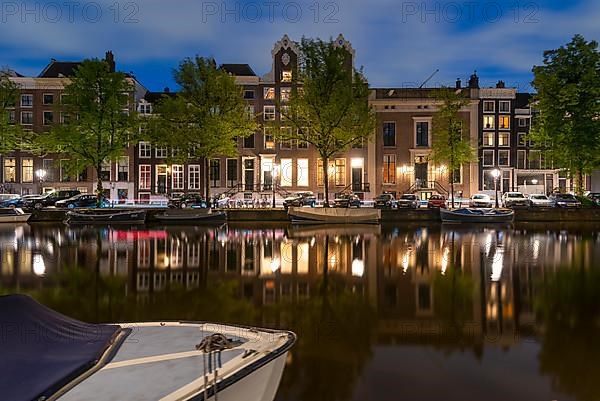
x=399, y=43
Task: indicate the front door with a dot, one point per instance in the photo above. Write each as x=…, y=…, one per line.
x=357, y=179
x=161, y=179
x=249, y=174
x=421, y=175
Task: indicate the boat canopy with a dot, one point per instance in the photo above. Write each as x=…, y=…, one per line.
x=41, y=350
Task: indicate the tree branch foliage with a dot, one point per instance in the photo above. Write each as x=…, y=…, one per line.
x=205, y=118
x=450, y=133
x=98, y=125
x=568, y=99
x=328, y=106
x=12, y=137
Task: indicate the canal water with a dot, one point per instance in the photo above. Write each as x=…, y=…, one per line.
x=381, y=313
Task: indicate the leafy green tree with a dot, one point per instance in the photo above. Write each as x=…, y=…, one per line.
x=330, y=110
x=11, y=135
x=98, y=126
x=206, y=117
x=568, y=99
x=450, y=134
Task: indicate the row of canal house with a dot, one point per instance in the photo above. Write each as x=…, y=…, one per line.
x=394, y=160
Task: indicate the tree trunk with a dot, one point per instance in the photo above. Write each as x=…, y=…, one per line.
x=326, y=179
x=579, y=186
x=99, y=187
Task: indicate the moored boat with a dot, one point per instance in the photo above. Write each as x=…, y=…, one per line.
x=303, y=215
x=191, y=216
x=111, y=217
x=477, y=215
x=13, y=215
x=65, y=359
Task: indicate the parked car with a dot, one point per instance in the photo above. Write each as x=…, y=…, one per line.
x=184, y=201
x=16, y=202
x=481, y=200
x=385, y=201
x=514, y=199
x=540, y=200
x=298, y=199
x=594, y=197
x=436, y=201
x=408, y=201
x=565, y=200
x=50, y=199
x=82, y=200
x=347, y=200
x=6, y=197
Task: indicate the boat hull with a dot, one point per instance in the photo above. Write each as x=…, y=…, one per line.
x=300, y=215
x=136, y=217
x=477, y=216
x=192, y=218
x=16, y=215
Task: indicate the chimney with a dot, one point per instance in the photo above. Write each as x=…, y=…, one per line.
x=167, y=90
x=500, y=84
x=110, y=60
x=458, y=83
x=474, y=81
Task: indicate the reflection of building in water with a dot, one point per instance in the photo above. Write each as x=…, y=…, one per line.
x=422, y=281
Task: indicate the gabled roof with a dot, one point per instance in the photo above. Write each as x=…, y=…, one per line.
x=240, y=70
x=10, y=73
x=60, y=69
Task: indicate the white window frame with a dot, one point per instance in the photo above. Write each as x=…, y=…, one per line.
x=493, y=110
x=27, y=112
x=142, y=172
x=269, y=93
x=427, y=120
x=286, y=178
x=501, y=118
x=44, y=98
x=26, y=95
x=483, y=157
x=177, y=177
x=395, y=134
x=271, y=113
x=507, y=134
x=265, y=138
x=522, y=122
x=524, y=153
x=302, y=177
x=500, y=103
x=144, y=150
x=504, y=151
x=488, y=134
x=164, y=152
x=488, y=118
x=194, y=176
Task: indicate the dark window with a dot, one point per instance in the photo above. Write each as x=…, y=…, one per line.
x=422, y=133
x=49, y=99
x=48, y=117
x=248, y=94
x=215, y=173
x=232, y=170
x=249, y=142
x=389, y=134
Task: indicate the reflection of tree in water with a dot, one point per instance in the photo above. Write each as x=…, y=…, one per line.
x=335, y=334
x=569, y=302
x=82, y=294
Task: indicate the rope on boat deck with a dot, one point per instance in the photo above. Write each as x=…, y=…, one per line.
x=212, y=346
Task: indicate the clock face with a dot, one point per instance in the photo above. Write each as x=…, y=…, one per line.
x=285, y=59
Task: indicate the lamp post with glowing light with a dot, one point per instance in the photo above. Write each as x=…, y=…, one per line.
x=274, y=174
x=496, y=174
x=41, y=174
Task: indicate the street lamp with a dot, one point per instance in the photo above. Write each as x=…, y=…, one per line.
x=40, y=174
x=496, y=174
x=274, y=174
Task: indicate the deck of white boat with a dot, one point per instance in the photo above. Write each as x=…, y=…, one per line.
x=153, y=362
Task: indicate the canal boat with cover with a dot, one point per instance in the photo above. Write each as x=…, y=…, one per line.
x=13, y=215
x=108, y=217
x=191, y=216
x=477, y=215
x=325, y=215
x=48, y=356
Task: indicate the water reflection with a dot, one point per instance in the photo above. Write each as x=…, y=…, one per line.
x=347, y=291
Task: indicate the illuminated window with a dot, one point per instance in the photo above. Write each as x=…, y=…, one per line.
x=488, y=122
x=27, y=170
x=268, y=138
x=286, y=173
x=389, y=169
x=340, y=172
x=285, y=94
x=488, y=139
x=269, y=93
x=320, y=175
x=504, y=139
x=10, y=171
x=302, y=173
x=504, y=122
x=286, y=76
